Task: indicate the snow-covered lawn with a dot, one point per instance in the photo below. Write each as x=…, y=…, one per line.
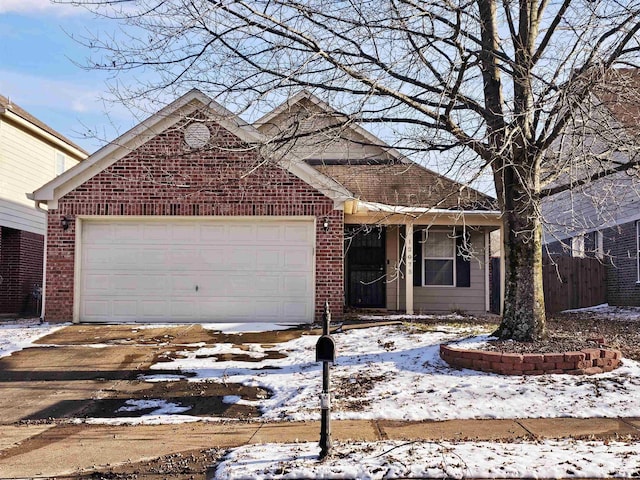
x=395, y=372
x=385, y=460
x=19, y=334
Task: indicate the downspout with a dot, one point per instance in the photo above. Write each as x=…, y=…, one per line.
x=398, y=264
x=44, y=262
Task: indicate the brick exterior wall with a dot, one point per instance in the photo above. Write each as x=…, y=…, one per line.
x=164, y=177
x=620, y=248
x=21, y=257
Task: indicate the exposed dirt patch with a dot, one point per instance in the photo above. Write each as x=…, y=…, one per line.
x=349, y=393
x=190, y=465
x=575, y=331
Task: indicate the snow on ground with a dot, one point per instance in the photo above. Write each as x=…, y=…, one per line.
x=395, y=372
x=20, y=334
x=382, y=460
x=610, y=312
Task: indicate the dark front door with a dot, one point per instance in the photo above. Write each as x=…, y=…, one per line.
x=365, y=254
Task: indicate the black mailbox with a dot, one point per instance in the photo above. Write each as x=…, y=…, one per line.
x=326, y=349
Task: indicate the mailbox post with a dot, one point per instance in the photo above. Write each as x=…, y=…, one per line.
x=325, y=353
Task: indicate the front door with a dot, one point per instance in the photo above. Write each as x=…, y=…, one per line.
x=365, y=267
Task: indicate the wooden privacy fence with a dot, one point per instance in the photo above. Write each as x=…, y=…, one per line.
x=568, y=283
x=573, y=283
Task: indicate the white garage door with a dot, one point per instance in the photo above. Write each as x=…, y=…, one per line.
x=249, y=270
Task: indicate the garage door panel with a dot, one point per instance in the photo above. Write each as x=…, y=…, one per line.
x=154, y=308
x=211, y=258
x=297, y=234
x=98, y=308
x=297, y=285
x=184, y=233
x=212, y=234
x=240, y=257
x=184, y=309
x=297, y=259
x=156, y=232
x=125, y=309
x=203, y=270
x=270, y=258
x=98, y=284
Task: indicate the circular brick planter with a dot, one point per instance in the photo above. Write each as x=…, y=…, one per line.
x=585, y=362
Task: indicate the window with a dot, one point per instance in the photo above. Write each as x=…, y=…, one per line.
x=599, y=247
x=60, y=163
x=439, y=254
x=577, y=246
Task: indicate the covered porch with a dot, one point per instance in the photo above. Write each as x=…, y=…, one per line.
x=417, y=260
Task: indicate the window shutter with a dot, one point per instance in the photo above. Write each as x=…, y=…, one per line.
x=417, y=258
x=463, y=263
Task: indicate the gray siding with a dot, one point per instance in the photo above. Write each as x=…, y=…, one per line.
x=439, y=299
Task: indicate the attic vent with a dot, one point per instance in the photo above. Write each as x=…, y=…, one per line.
x=196, y=135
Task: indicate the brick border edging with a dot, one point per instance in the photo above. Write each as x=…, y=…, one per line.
x=588, y=361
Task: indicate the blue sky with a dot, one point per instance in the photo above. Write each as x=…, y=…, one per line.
x=39, y=71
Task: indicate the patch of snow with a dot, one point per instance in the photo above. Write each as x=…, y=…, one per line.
x=409, y=318
x=146, y=420
x=161, y=377
x=610, y=312
x=160, y=407
x=231, y=399
x=21, y=334
x=247, y=327
x=382, y=460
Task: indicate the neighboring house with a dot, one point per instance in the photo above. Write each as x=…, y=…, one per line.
x=31, y=153
x=195, y=215
x=601, y=219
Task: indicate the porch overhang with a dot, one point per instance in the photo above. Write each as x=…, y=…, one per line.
x=357, y=212
x=371, y=213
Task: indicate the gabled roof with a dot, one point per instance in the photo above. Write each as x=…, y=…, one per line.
x=305, y=95
x=8, y=107
x=395, y=180
x=407, y=185
x=190, y=102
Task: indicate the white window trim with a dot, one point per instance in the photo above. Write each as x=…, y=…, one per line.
x=577, y=246
x=599, y=247
x=452, y=237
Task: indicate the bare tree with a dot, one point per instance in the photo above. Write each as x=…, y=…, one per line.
x=503, y=80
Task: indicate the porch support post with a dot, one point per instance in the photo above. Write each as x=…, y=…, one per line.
x=408, y=261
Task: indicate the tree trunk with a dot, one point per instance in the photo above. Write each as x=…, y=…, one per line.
x=524, y=313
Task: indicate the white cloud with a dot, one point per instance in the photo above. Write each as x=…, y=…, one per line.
x=38, y=7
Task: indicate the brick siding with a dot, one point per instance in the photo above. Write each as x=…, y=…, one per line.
x=21, y=257
x=621, y=249
x=585, y=362
x=164, y=177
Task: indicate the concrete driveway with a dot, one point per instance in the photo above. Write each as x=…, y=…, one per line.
x=89, y=371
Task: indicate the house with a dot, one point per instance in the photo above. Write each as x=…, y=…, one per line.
x=196, y=215
x=31, y=153
x=601, y=218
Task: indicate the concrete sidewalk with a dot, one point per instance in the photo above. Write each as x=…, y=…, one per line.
x=56, y=450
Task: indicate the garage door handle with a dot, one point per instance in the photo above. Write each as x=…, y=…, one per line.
x=197, y=288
